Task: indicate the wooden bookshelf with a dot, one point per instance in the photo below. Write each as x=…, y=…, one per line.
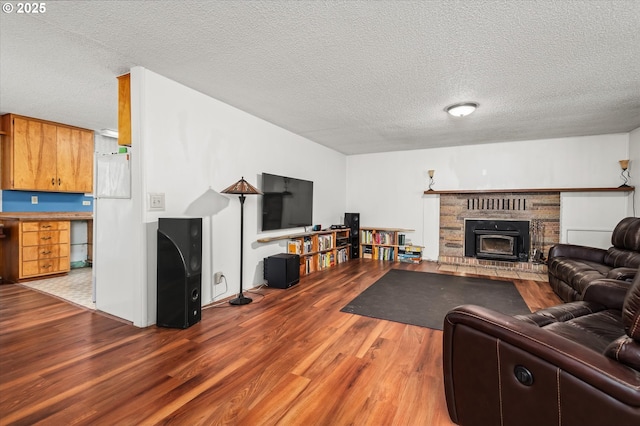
x=318, y=250
x=386, y=244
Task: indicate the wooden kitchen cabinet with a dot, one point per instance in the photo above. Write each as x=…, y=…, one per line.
x=37, y=249
x=40, y=155
x=124, y=110
x=74, y=160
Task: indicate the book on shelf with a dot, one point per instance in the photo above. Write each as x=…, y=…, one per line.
x=294, y=247
x=384, y=253
x=384, y=237
x=410, y=249
x=366, y=237
x=326, y=260
x=325, y=242
x=307, y=245
x=342, y=255
x=410, y=259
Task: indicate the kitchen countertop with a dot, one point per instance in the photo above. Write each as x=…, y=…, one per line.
x=35, y=216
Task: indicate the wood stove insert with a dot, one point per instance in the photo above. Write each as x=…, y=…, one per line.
x=507, y=240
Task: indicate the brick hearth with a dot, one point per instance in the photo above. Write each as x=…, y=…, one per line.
x=455, y=208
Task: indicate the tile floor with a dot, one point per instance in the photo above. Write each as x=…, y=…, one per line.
x=76, y=287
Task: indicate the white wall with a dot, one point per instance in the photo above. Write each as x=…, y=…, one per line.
x=634, y=169
x=187, y=142
x=387, y=188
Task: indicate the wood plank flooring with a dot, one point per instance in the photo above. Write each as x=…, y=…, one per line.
x=289, y=358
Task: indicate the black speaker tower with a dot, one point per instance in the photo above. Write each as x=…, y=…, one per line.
x=179, y=281
x=352, y=221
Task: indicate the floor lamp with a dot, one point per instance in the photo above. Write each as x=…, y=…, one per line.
x=242, y=188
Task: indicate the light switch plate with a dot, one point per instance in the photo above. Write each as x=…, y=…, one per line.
x=34, y=199
x=156, y=201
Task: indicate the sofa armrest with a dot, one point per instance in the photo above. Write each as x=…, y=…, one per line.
x=622, y=273
x=500, y=370
x=608, y=292
x=592, y=254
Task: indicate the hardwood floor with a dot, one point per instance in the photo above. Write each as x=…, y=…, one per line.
x=290, y=358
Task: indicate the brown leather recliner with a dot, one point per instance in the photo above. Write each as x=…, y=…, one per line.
x=572, y=268
x=572, y=364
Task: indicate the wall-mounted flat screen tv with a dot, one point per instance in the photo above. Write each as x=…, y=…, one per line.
x=286, y=202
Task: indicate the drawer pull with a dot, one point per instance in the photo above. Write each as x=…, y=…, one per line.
x=53, y=181
x=46, y=266
x=46, y=252
x=46, y=226
x=59, y=181
x=45, y=238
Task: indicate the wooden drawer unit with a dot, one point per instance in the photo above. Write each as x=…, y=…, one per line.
x=44, y=267
x=44, y=252
x=43, y=248
x=36, y=244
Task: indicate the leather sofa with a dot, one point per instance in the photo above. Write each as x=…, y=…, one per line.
x=573, y=364
x=573, y=269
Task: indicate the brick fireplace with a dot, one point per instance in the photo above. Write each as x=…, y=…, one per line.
x=536, y=213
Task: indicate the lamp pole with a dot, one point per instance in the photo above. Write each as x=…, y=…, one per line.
x=241, y=299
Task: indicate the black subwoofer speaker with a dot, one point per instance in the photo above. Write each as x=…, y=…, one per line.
x=179, y=302
x=282, y=270
x=352, y=221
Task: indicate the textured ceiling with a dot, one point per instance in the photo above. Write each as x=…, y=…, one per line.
x=356, y=76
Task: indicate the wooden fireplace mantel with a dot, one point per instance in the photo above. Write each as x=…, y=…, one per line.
x=529, y=190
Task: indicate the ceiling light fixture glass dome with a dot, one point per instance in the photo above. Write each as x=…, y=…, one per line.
x=462, y=109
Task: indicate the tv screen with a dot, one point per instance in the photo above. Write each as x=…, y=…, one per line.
x=286, y=202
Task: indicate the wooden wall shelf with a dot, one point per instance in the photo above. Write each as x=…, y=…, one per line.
x=298, y=235
x=530, y=190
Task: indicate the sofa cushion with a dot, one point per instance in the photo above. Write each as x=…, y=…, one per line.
x=578, y=273
x=631, y=310
x=595, y=331
x=560, y=313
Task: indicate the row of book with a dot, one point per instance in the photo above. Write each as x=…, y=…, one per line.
x=342, y=255
x=384, y=253
x=326, y=260
x=410, y=254
x=380, y=237
x=325, y=242
x=308, y=266
x=300, y=247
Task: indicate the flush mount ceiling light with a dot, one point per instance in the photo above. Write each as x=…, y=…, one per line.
x=462, y=109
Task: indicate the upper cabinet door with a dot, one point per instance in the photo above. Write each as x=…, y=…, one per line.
x=40, y=155
x=124, y=109
x=74, y=160
x=34, y=155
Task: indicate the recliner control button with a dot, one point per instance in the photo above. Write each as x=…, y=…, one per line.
x=523, y=375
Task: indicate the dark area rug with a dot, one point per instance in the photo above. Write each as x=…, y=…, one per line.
x=422, y=298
